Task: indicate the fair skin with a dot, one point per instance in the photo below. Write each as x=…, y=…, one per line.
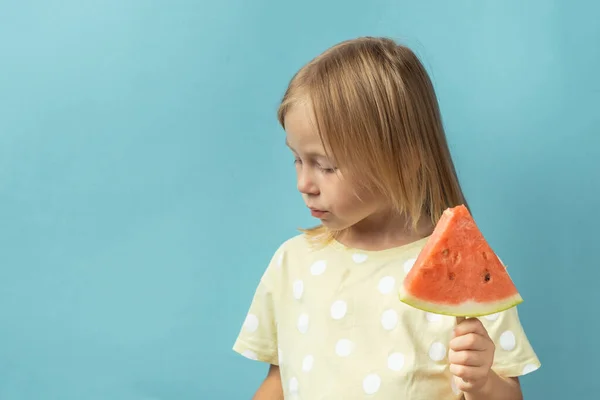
x=369, y=224
x=471, y=356
x=271, y=388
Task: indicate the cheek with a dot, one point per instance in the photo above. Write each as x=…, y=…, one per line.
x=349, y=203
x=345, y=199
x=362, y=203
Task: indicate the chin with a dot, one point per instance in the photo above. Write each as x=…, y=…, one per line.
x=335, y=225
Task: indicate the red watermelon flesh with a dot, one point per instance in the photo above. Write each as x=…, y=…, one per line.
x=457, y=273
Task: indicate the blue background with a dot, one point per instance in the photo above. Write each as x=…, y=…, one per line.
x=144, y=182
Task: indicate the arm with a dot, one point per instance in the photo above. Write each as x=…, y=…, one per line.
x=271, y=388
x=498, y=388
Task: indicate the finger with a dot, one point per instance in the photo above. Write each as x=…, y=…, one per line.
x=467, y=358
x=468, y=374
x=470, y=341
x=463, y=386
x=470, y=325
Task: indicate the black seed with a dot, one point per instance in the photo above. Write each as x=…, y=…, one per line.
x=451, y=275
x=487, y=276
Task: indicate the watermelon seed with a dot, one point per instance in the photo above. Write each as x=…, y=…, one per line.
x=485, y=257
x=445, y=252
x=455, y=258
x=451, y=275
x=487, y=277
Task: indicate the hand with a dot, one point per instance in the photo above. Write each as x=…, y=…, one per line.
x=471, y=355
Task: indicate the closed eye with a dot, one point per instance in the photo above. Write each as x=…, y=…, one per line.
x=328, y=170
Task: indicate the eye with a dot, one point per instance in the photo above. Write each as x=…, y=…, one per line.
x=327, y=170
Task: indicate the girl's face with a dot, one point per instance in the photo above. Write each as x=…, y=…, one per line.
x=334, y=200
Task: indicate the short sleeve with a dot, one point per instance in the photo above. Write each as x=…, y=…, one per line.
x=514, y=354
x=257, y=339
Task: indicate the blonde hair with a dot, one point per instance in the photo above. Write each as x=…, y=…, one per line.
x=376, y=110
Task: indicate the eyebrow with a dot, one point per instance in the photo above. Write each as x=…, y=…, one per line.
x=310, y=154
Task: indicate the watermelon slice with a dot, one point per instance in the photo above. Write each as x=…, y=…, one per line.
x=457, y=273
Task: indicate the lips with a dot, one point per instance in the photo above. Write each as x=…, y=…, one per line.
x=317, y=213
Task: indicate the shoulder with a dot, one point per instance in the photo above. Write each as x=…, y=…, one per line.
x=294, y=248
x=294, y=255
x=294, y=243
x=288, y=250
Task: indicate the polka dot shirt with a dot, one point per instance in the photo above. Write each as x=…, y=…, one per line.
x=331, y=319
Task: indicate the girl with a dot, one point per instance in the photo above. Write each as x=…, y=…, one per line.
x=373, y=165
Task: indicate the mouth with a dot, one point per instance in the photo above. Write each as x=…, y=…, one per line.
x=317, y=213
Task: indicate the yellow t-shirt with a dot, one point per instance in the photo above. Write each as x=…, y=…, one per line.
x=331, y=319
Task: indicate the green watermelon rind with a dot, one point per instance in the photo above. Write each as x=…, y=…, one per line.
x=466, y=309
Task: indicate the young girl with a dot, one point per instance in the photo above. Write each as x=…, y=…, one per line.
x=373, y=165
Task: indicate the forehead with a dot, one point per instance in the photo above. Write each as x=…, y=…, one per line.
x=301, y=132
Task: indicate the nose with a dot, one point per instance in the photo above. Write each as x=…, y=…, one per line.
x=306, y=183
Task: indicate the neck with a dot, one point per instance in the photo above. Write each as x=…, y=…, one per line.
x=384, y=231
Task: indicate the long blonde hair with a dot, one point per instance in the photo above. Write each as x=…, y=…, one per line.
x=376, y=110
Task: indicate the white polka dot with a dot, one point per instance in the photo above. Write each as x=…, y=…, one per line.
x=508, y=341
x=371, y=383
x=359, y=258
x=293, y=386
x=455, y=388
x=431, y=317
x=389, y=319
x=386, y=284
x=298, y=288
x=408, y=264
x=307, y=363
x=344, y=347
x=437, y=351
x=529, y=368
x=251, y=323
x=250, y=354
x=338, y=309
x=492, y=317
x=396, y=361
x=303, y=323
x=318, y=267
